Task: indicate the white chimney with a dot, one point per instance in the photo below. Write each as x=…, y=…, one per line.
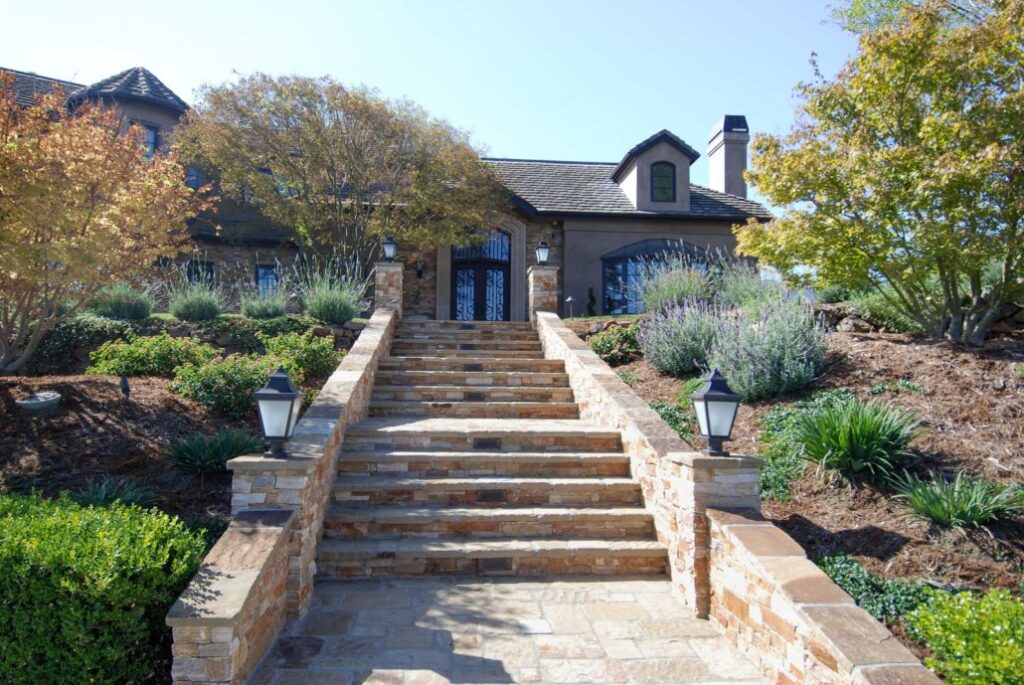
x=727, y=155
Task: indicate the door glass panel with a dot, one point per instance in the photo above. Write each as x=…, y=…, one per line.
x=495, y=296
x=464, y=294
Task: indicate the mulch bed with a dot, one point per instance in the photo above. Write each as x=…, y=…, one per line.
x=96, y=433
x=972, y=412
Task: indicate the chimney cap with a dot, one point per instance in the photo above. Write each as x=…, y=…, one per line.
x=730, y=123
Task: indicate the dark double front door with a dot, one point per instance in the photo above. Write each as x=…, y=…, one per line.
x=480, y=280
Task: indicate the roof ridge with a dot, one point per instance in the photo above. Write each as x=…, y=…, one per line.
x=546, y=161
x=33, y=74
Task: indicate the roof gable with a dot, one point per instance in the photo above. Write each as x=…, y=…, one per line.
x=662, y=136
x=137, y=84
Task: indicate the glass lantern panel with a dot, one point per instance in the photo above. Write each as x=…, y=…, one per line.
x=296, y=408
x=275, y=415
x=721, y=416
x=702, y=416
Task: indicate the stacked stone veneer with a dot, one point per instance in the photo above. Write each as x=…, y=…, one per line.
x=785, y=613
x=737, y=569
x=299, y=486
x=387, y=285
x=542, y=289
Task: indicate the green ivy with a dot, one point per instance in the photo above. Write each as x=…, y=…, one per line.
x=678, y=419
x=886, y=600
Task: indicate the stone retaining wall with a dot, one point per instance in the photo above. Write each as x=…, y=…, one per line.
x=262, y=485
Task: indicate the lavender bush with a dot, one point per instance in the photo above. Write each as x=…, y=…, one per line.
x=677, y=339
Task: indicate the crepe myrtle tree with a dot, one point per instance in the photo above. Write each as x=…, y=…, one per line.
x=343, y=166
x=905, y=173
x=81, y=207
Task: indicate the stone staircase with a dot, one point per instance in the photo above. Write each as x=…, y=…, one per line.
x=474, y=461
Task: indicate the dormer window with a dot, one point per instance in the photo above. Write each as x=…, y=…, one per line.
x=663, y=182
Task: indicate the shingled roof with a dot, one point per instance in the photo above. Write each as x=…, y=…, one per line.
x=547, y=188
x=137, y=84
x=28, y=85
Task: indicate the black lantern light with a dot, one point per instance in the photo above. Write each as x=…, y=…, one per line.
x=715, y=405
x=543, y=250
x=390, y=249
x=278, y=404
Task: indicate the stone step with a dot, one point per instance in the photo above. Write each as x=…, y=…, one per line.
x=448, y=344
x=610, y=523
x=489, y=491
x=496, y=435
x=462, y=464
x=480, y=410
x=426, y=351
x=390, y=377
x=461, y=393
x=478, y=363
x=449, y=325
x=522, y=557
x=412, y=335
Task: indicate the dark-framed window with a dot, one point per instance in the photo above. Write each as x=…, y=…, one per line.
x=268, y=278
x=622, y=271
x=194, y=177
x=663, y=182
x=152, y=140
x=199, y=271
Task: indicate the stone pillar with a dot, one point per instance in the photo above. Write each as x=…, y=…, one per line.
x=387, y=288
x=543, y=290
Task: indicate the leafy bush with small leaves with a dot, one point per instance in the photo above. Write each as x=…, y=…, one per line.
x=886, y=600
x=678, y=419
x=265, y=305
x=198, y=301
x=960, y=502
x=109, y=490
x=616, y=345
x=676, y=340
x=85, y=590
x=202, y=454
x=857, y=439
x=333, y=299
x=900, y=386
x=974, y=640
x=314, y=355
x=739, y=284
x=873, y=307
x=777, y=349
x=832, y=294
x=779, y=445
x=673, y=286
x=157, y=355
x=57, y=351
x=122, y=301
x=226, y=384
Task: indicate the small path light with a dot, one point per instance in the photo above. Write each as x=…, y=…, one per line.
x=278, y=404
x=390, y=248
x=126, y=390
x=715, y=405
x=543, y=251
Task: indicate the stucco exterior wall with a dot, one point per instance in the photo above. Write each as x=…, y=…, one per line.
x=636, y=183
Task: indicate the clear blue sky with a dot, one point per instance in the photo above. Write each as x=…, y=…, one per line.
x=554, y=79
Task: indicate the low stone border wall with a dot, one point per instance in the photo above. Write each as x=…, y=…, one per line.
x=784, y=613
x=297, y=488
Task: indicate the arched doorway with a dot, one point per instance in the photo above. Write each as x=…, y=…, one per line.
x=481, y=279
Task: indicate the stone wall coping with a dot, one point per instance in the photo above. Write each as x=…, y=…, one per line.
x=217, y=593
x=266, y=464
x=700, y=460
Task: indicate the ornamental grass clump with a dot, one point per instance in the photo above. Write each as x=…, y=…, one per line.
x=122, y=301
x=331, y=299
x=264, y=305
x=959, y=502
x=198, y=301
x=108, y=490
x=857, y=439
x=677, y=339
x=202, y=454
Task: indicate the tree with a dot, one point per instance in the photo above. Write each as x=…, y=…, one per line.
x=859, y=16
x=81, y=207
x=906, y=172
x=342, y=166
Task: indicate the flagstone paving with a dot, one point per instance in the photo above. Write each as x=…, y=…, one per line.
x=435, y=630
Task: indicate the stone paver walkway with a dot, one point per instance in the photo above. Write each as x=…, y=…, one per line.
x=427, y=631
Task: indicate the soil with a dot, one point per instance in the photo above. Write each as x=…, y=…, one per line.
x=96, y=433
x=971, y=405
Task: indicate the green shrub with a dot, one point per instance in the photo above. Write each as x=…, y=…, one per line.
x=226, y=384
x=831, y=294
x=960, y=502
x=873, y=307
x=265, y=305
x=886, y=600
x=84, y=590
x=673, y=286
x=779, y=446
x=122, y=301
x=241, y=334
x=974, y=640
x=199, y=301
x=739, y=284
x=676, y=339
x=110, y=490
x=157, y=355
x=202, y=454
x=616, y=345
x=778, y=348
x=57, y=351
x=857, y=439
x=677, y=418
x=313, y=355
x=333, y=300
x=689, y=386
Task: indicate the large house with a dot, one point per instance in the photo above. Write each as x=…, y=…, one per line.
x=602, y=220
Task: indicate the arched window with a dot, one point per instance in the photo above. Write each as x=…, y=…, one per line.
x=663, y=182
x=623, y=271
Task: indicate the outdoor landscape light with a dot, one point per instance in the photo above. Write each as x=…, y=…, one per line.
x=390, y=248
x=715, y=405
x=278, y=404
x=543, y=250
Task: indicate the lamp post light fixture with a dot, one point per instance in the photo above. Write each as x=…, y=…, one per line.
x=390, y=248
x=715, y=405
x=543, y=251
x=278, y=404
